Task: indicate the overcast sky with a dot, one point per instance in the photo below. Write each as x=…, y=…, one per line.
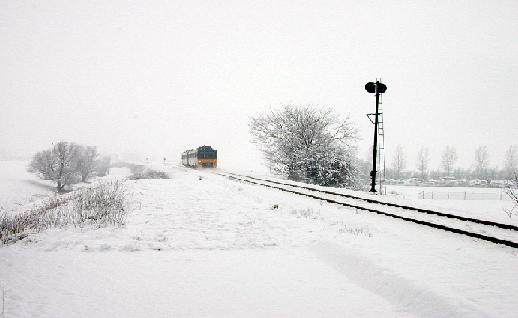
x=158, y=77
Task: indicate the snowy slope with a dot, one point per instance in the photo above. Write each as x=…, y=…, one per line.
x=18, y=187
x=201, y=245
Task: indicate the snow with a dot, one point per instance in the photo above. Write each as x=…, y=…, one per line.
x=491, y=210
x=19, y=187
x=201, y=245
x=412, y=192
x=430, y=218
x=187, y=284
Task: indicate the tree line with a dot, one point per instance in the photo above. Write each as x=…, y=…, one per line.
x=67, y=163
x=480, y=169
x=316, y=145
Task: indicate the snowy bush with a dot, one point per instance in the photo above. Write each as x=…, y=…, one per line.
x=102, y=166
x=101, y=204
x=512, y=192
x=57, y=164
x=85, y=161
x=67, y=163
x=308, y=144
x=138, y=172
x=307, y=213
x=358, y=231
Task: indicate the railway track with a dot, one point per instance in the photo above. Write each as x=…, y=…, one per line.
x=499, y=233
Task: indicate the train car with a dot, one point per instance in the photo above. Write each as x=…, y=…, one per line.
x=201, y=157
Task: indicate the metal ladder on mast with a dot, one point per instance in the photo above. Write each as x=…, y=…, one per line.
x=381, y=148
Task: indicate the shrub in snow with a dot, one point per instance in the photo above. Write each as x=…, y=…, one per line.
x=358, y=231
x=102, y=166
x=67, y=163
x=101, y=204
x=308, y=144
x=57, y=164
x=512, y=192
x=85, y=161
x=138, y=172
x=307, y=213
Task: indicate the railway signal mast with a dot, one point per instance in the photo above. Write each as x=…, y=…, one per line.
x=377, y=88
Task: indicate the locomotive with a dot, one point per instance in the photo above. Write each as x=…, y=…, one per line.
x=201, y=157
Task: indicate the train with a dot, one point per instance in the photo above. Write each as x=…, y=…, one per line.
x=201, y=157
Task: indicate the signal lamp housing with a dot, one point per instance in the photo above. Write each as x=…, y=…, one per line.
x=370, y=87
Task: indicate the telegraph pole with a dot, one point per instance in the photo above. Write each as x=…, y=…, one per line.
x=376, y=88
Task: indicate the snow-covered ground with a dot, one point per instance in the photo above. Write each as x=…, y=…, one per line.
x=491, y=210
x=482, y=209
x=19, y=187
x=201, y=245
x=413, y=192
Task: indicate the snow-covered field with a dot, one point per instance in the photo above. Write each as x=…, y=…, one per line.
x=482, y=209
x=491, y=210
x=19, y=187
x=412, y=192
x=201, y=245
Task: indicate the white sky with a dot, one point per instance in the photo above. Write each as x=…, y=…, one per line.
x=158, y=77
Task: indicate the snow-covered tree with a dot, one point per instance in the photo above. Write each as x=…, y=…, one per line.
x=310, y=144
x=102, y=166
x=398, y=161
x=511, y=161
x=57, y=164
x=449, y=157
x=512, y=192
x=86, y=161
x=482, y=163
x=423, y=158
x=460, y=173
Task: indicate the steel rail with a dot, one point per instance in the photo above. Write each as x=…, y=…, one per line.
x=358, y=207
x=406, y=207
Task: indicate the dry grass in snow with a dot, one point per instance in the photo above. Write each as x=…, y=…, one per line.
x=101, y=204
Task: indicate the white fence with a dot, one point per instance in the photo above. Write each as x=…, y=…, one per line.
x=439, y=195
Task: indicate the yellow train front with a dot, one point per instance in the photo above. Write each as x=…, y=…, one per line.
x=201, y=157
